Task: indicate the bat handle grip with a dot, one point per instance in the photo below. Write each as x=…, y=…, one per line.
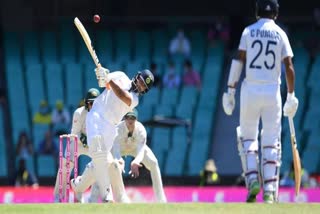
x=291, y=125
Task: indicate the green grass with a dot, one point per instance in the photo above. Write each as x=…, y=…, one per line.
x=194, y=208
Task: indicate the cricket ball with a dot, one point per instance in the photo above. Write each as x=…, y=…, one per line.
x=96, y=18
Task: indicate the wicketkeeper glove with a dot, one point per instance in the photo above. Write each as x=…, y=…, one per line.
x=102, y=76
x=291, y=105
x=83, y=139
x=228, y=101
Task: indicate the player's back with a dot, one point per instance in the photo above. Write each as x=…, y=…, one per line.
x=266, y=44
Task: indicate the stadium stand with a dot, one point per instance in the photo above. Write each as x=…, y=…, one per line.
x=55, y=68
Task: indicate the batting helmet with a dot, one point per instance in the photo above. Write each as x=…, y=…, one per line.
x=147, y=77
x=266, y=8
x=91, y=95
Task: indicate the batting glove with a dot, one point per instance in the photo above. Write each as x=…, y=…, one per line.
x=291, y=105
x=83, y=139
x=102, y=76
x=228, y=101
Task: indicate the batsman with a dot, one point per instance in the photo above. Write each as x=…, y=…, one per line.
x=79, y=129
x=264, y=46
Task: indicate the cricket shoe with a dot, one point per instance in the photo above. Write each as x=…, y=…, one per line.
x=268, y=197
x=254, y=190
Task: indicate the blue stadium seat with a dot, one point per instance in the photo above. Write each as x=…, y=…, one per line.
x=152, y=98
x=164, y=110
x=3, y=160
x=48, y=44
x=185, y=111
x=12, y=50
x=46, y=166
x=145, y=112
x=160, y=44
x=188, y=95
x=142, y=45
x=67, y=46
x=54, y=79
x=169, y=96
x=177, y=153
x=35, y=84
x=160, y=144
x=123, y=45
x=132, y=68
x=198, y=154
x=90, y=80
x=105, y=45
x=3, y=153
x=38, y=133
x=73, y=84
x=31, y=50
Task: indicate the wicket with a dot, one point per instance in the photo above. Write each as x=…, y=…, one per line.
x=69, y=138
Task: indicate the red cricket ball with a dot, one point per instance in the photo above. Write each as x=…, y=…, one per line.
x=96, y=18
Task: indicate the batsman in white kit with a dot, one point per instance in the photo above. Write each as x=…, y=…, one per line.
x=119, y=97
x=78, y=129
x=131, y=140
x=263, y=47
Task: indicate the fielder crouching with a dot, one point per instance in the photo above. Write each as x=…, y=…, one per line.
x=131, y=140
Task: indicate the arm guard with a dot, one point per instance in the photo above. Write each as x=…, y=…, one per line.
x=235, y=72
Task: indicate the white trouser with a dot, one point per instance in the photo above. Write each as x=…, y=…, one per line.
x=100, y=136
x=262, y=102
x=151, y=163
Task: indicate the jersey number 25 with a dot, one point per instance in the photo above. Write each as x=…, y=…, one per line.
x=268, y=51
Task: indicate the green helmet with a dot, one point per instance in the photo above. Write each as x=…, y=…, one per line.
x=133, y=113
x=92, y=94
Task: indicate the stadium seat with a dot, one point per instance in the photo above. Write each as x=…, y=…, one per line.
x=164, y=111
x=105, y=45
x=48, y=45
x=177, y=154
x=3, y=151
x=3, y=159
x=12, y=50
x=188, y=96
x=160, y=44
x=38, y=133
x=73, y=84
x=142, y=45
x=123, y=45
x=31, y=50
x=169, y=96
x=132, y=68
x=145, y=112
x=67, y=46
x=35, y=84
x=152, y=98
x=160, y=144
x=184, y=111
x=54, y=83
x=46, y=166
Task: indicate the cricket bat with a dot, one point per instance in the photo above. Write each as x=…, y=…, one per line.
x=295, y=157
x=87, y=40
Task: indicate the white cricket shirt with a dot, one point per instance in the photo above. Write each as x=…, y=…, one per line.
x=109, y=106
x=79, y=121
x=130, y=145
x=266, y=45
